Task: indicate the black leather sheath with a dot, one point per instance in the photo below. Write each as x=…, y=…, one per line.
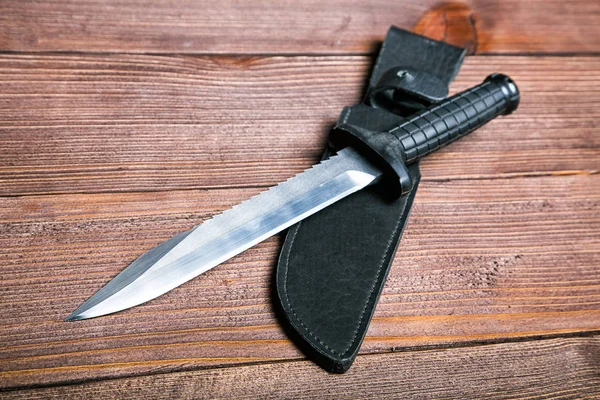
x=333, y=265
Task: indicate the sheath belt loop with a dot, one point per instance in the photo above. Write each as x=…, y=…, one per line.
x=333, y=264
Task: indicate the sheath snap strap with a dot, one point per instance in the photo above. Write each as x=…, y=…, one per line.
x=403, y=90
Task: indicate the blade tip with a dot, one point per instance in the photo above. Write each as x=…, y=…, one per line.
x=74, y=317
x=77, y=315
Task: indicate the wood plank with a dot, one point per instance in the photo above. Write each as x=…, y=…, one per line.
x=558, y=368
x=74, y=123
x=294, y=27
x=482, y=260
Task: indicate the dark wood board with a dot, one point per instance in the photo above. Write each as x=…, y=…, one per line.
x=74, y=123
x=481, y=260
x=294, y=27
x=549, y=369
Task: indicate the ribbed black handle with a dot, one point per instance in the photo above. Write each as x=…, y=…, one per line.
x=436, y=126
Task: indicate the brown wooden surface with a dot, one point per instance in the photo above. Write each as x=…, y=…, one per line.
x=103, y=156
x=147, y=123
x=485, y=259
x=292, y=27
x=557, y=368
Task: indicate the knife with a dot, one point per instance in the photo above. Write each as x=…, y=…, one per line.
x=354, y=167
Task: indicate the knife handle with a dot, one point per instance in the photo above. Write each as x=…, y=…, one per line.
x=413, y=138
x=451, y=119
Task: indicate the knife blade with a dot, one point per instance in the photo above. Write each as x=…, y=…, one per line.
x=216, y=240
x=192, y=253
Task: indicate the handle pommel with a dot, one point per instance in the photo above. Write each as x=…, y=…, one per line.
x=509, y=88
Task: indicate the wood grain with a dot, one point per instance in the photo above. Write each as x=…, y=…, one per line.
x=154, y=123
x=482, y=260
x=125, y=122
x=293, y=27
x=557, y=369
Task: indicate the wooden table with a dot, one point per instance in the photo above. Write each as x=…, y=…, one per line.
x=124, y=122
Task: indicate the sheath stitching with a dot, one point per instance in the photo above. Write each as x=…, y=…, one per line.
x=371, y=291
x=287, y=298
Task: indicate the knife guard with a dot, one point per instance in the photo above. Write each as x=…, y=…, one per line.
x=333, y=265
